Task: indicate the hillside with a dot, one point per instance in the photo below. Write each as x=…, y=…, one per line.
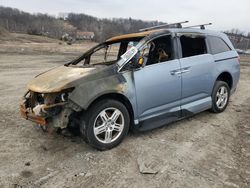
x=25, y=38
x=15, y=20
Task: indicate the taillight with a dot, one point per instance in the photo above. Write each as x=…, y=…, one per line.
x=238, y=59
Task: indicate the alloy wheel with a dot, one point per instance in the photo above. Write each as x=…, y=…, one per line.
x=108, y=125
x=221, y=97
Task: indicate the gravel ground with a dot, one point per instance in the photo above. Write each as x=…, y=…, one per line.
x=207, y=150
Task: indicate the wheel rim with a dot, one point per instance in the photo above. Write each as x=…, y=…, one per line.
x=108, y=125
x=221, y=97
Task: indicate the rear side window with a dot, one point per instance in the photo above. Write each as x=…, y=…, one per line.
x=217, y=45
x=193, y=45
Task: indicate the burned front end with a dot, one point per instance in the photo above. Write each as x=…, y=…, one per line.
x=47, y=108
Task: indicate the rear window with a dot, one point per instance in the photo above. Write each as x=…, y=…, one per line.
x=217, y=45
x=193, y=45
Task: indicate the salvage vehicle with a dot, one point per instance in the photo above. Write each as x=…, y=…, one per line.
x=137, y=81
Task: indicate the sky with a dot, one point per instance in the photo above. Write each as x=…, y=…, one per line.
x=224, y=14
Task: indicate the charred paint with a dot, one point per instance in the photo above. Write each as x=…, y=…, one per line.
x=57, y=79
x=86, y=84
x=132, y=35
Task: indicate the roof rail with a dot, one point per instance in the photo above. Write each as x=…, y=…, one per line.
x=178, y=25
x=202, y=26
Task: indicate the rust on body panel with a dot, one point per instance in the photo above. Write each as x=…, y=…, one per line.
x=82, y=84
x=131, y=35
x=26, y=114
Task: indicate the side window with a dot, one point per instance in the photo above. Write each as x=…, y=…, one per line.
x=217, y=45
x=160, y=50
x=193, y=45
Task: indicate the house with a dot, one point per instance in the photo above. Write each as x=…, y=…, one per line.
x=85, y=35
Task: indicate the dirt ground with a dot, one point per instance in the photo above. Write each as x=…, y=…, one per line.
x=207, y=150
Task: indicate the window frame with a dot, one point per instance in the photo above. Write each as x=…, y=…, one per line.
x=85, y=57
x=108, y=50
x=179, y=35
x=210, y=45
x=174, y=47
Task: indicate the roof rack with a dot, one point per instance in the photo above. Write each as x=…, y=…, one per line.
x=178, y=25
x=202, y=26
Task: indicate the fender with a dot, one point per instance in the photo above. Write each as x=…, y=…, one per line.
x=86, y=93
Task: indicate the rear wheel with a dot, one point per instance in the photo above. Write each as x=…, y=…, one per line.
x=105, y=124
x=220, y=96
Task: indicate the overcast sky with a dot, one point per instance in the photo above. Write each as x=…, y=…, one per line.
x=224, y=14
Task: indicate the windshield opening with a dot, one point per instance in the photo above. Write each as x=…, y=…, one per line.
x=106, y=53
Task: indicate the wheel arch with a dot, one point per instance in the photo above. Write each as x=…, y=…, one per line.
x=115, y=96
x=226, y=77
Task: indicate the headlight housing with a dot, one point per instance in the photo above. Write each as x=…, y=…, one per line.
x=64, y=97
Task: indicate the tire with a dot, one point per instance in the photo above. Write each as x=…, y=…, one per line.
x=110, y=120
x=220, y=97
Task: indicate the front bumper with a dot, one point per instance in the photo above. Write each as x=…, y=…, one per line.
x=28, y=115
x=43, y=119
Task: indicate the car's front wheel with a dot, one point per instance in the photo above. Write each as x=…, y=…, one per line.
x=220, y=96
x=105, y=124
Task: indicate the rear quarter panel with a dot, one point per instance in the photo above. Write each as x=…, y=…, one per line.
x=228, y=62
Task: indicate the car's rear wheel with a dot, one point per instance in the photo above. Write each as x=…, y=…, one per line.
x=220, y=96
x=105, y=124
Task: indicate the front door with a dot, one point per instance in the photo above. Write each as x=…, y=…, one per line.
x=158, y=85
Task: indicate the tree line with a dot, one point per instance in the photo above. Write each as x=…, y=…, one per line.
x=14, y=20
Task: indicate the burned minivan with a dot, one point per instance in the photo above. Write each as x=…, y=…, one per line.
x=135, y=81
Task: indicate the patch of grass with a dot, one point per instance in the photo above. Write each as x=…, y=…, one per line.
x=3, y=32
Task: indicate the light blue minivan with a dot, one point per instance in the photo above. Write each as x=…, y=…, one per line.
x=135, y=81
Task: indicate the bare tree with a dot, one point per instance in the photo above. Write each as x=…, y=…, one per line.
x=15, y=20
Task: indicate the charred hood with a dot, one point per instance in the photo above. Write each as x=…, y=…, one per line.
x=60, y=78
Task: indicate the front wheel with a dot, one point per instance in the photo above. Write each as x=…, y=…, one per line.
x=105, y=124
x=220, y=96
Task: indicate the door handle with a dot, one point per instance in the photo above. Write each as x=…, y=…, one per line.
x=185, y=71
x=175, y=72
